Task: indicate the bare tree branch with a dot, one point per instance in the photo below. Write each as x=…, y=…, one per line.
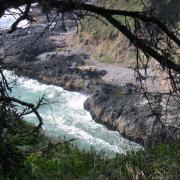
x=30, y=106
x=25, y=15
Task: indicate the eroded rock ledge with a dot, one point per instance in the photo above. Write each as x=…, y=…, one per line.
x=127, y=110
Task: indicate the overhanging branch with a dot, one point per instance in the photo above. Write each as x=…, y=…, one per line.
x=23, y=103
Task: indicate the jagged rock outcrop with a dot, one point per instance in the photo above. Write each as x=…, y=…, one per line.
x=44, y=55
x=127, y=110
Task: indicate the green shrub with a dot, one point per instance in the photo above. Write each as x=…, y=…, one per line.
x=40, y=157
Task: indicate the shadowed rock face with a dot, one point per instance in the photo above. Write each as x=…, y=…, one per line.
x=128, y=111
x=44, y=55
x=24, y=45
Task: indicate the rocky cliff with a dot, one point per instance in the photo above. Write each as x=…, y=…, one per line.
x=41, y=53
x=144, y=118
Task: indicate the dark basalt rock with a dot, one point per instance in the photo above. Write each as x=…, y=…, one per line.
x=128, y=111
x=37, y=54
x=26, y=44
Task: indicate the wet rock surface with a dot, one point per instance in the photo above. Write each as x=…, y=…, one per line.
x=127, y=110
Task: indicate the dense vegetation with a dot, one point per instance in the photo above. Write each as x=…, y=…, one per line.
x=30, y=156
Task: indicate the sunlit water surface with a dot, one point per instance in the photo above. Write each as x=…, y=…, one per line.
x=65, y=117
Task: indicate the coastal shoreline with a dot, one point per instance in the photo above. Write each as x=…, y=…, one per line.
x=112, y=102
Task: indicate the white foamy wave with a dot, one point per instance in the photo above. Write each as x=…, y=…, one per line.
x=67, y=117
x=75, y=100
x=32, y=84
x=88, y=138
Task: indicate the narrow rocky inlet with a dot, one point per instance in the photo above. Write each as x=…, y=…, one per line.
x=65, y=117
x=114, y=99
